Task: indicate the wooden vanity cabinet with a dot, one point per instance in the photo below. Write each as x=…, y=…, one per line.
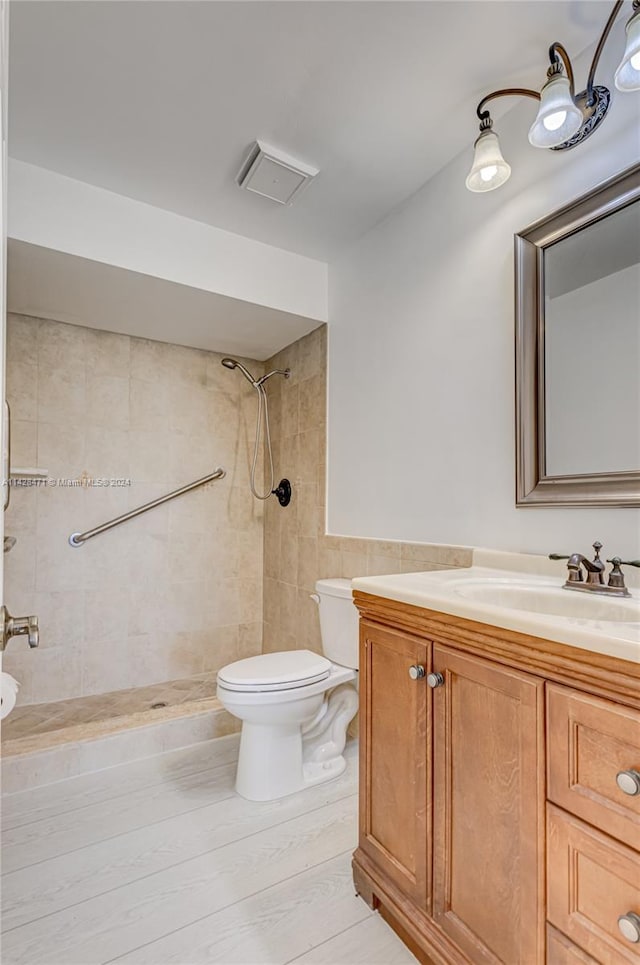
x=488, y=807
x=395, y=775
x=461, y=844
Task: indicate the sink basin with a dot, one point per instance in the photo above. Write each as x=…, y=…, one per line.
x=529, y=599
x=550, y=600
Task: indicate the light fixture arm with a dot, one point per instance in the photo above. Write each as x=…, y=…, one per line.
x=506, y=92
x=565, y=117
x=603, y=39
x=555, y=49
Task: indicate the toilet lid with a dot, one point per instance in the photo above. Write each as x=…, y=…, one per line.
x=275, y=671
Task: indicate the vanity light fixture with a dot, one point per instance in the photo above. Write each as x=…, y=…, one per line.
x=564, y=119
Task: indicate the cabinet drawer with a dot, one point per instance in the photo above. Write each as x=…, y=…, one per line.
x=592, y=881
x=590, y=742
x=562, y=951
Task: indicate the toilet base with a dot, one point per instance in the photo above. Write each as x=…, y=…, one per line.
x=327, y=771
x=279, y=759
x=270, y=764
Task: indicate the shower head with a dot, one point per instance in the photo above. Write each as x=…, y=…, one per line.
x=234, y=364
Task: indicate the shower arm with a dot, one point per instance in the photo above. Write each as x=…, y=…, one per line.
x=285, y=372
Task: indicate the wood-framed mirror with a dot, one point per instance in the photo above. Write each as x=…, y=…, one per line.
x=578, y=351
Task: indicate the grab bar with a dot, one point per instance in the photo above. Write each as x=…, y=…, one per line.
x=77, y=539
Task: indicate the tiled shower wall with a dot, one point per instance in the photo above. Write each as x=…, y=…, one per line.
x=174, y=593
x=296, y=550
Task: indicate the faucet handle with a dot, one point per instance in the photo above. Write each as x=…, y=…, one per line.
x=597, y=547
x=616, y=576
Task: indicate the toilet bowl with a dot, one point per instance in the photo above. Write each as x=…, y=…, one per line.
x=295, y=706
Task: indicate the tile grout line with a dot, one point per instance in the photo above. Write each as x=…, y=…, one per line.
x=152, y=874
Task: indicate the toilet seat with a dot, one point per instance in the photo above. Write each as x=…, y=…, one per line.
x=272, y=672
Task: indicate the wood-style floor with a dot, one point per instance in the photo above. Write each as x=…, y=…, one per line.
x=160, y=862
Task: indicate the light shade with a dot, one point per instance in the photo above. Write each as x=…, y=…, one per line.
x=489, y=169
x=558, y=117
x=628, y=73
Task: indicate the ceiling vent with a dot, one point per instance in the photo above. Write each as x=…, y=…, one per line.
x=274, y=174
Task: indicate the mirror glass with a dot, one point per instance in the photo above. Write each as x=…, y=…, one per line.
x=592, y=348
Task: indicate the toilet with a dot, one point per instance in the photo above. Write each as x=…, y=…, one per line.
x=295, y=706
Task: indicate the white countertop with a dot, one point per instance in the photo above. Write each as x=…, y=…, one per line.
x=456, y=592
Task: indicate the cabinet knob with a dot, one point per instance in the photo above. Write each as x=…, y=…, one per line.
x=435, y=680
x=416, y=671
x=629, y=782
x=629, y=926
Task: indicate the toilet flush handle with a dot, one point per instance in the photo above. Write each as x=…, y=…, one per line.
x=315, y=598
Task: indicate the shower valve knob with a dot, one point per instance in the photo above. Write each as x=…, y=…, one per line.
x=283, y=492
x=17, y=627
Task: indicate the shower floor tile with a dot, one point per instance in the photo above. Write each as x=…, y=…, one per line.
x=37, y=720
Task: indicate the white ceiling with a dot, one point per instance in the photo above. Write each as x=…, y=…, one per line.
x=159, y=101
x=52, y=284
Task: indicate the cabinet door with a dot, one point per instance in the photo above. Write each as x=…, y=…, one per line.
x=488, y=888
x=394, y=767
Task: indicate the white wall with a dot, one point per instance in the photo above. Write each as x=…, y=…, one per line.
x=592, y=347
x=66, y=215
x=421, y=346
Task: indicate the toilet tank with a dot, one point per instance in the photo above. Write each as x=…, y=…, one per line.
x=338, y=622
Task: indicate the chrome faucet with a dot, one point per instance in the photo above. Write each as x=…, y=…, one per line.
x=595, y=570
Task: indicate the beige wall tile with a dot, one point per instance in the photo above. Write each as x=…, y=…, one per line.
x=22, y=389
x=61, y=347
x=61, y=395
x=24, y=443
x=382, y=565
x=288, y=608
x=150, y=361
x=388, y=548
x=249, y=639
x=308, y=509
x=20, y=565
x=20, y=517
x=107, y=399
x=61, y=449
x=309, y=447
x=329, y=560
x=62, y=619
x=436, y=553
x=22, y=338
x=416, y=566
x=307, y=563
x=107, y=353
x=312, y=403
x=288, y=560
x=220, y=648
x=311, y=358
x=354, y=564
x=148, y=407
x=289, y=418
x=166, y=593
